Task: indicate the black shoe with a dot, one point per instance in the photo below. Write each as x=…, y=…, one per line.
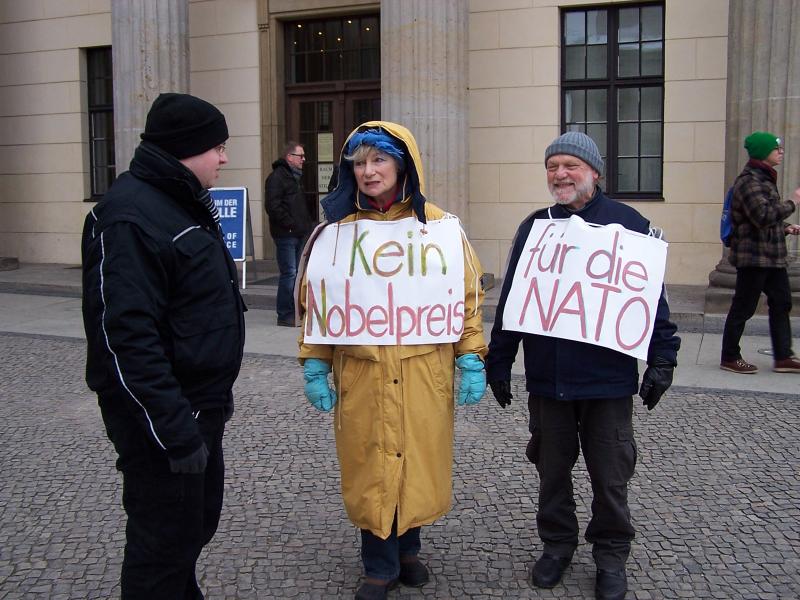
x=282, y=323
x=610, y=585
x=375, y=591
x=548, y=570
x=413, y=574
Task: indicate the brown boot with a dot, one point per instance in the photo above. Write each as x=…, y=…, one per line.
x=787, y=365
x=738, y=366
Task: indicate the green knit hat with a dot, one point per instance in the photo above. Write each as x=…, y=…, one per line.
x=759, y=144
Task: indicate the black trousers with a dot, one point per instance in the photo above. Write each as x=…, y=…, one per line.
x=604, y=429
x=170, y=516
x=750, y=282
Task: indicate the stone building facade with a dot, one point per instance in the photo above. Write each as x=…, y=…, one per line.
x=484, y=85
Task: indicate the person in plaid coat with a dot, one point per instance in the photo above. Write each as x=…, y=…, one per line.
x=758, y=251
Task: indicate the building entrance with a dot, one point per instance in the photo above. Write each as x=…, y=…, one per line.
x=321, y=123
x=333, y=84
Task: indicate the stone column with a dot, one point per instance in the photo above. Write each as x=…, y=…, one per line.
x=424, y=87
x=150, y=50
x=763, y=94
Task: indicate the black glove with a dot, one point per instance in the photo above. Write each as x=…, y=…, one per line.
x=502, y=392
x=655, y=381
x=195, y=463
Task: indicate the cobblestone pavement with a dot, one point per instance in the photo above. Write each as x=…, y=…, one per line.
x=716, y=497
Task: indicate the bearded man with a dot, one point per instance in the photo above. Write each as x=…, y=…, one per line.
x=580, y=396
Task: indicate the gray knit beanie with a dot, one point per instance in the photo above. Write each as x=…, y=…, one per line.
x=576, y=144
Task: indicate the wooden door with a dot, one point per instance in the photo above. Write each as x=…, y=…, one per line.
x=321, y=122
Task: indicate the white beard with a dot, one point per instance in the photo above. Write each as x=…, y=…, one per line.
x=582, y=190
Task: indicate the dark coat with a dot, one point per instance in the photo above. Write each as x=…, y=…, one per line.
x=758, y=213
x=286, y=203
x=565, y=369
x=161, y=305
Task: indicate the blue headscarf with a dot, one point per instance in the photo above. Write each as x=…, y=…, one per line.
x=380, y=140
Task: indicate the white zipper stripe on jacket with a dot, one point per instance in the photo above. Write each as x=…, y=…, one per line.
x=95, y=221
x=184, y=232
x=108, y=343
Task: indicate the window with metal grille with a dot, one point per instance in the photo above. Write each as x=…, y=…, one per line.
x=612, y=89
x=99, y=75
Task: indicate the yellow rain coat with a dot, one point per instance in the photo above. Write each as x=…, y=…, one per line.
x=395, y=410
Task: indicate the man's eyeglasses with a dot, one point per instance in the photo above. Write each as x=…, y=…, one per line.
x=300, y=156
x=220, y=149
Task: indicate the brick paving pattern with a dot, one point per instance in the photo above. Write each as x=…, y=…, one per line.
x=715, y=499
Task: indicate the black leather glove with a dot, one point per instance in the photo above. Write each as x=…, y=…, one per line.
x=195, y=463
x=655, y=381
x=502, y=392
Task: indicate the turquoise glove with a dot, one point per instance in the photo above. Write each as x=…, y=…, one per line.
x=317, y=391
x=473, y=379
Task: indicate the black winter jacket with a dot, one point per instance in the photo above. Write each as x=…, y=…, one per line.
x=286, y=203
x=566, y=369
x=161, y=305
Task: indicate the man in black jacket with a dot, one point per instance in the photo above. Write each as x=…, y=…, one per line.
x=580, y=395
x=164, y=325
x=289, y=223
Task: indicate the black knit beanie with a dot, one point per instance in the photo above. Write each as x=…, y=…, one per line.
x=184, y=125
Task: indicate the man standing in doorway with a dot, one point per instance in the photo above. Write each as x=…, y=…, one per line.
x=289, y=223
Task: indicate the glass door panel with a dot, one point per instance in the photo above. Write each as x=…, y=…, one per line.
x=312, y=125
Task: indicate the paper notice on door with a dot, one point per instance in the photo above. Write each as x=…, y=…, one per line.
x=324, y=172
x=325, y=147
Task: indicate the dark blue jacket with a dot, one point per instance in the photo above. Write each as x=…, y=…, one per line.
x=565, y=369
x=161, y=305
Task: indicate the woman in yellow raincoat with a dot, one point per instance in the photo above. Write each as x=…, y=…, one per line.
x=395, y=409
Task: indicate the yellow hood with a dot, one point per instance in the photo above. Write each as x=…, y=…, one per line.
x=343, y=200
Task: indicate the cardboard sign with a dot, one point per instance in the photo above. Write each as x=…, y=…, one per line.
x=598, y=284
x=232, y=205
x=386, y=283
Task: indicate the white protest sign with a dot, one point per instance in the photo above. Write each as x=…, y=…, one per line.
x=386, y=283
x=589, y=283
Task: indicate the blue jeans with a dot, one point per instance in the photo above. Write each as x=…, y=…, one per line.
x=287, y=252
x=381, y=558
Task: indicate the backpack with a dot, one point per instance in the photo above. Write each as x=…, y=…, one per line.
x=726, y=220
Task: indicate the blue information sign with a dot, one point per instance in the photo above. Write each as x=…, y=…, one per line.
x=232, y=205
